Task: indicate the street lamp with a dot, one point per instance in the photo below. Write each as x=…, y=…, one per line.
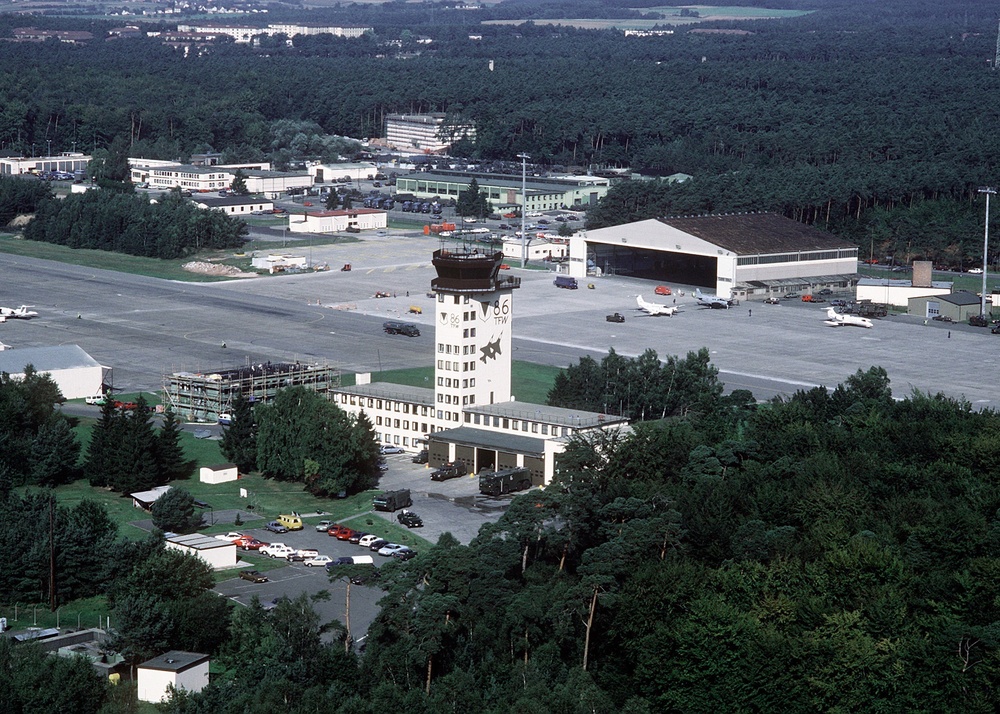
x=986, y=246
x=524, y=205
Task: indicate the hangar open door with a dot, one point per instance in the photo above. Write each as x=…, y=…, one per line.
x=661, y=266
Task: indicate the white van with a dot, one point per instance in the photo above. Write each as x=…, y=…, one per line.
x=362, y=560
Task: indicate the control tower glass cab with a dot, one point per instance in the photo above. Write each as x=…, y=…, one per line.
x=472, y=335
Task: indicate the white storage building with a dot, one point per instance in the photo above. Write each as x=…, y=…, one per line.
x=182, y=670
x=363, y=219
x=218, y=474
x=76, y=373
x=219, y=554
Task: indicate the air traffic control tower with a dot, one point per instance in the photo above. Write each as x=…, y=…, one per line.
x=472, y=336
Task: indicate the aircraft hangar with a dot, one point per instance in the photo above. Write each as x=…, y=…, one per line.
x=735, y=255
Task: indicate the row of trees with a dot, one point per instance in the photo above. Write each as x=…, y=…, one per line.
x=127, y=454
x=300, y=436
x=639, y=388
x=128, y=223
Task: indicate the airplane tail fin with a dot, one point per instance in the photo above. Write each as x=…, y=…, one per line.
x=697, y=292
x=831, y=313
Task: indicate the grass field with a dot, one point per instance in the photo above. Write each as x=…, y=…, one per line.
x=531, y=382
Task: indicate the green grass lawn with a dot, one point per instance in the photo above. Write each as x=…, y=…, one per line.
x=106, y=260
x=530, y=382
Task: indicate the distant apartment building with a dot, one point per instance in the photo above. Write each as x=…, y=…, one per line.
x=246, y=33
x=171, y=174
x=428, y=133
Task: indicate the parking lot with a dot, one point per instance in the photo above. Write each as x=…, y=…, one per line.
x=453, y=506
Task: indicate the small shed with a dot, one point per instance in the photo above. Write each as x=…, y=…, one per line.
x=183, y=670
x=219, y=554
x=218, y=474
x=145, y=499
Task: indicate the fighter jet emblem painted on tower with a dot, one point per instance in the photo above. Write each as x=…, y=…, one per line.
x=491, y=350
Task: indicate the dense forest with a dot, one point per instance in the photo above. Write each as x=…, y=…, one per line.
x=835, y=551
x=875, y=121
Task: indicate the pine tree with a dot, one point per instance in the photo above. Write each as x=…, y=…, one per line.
x=54, y=454
x=239, y=185
x=239, y=439
x=104, y=438
x=170, y=453
x=173, y=512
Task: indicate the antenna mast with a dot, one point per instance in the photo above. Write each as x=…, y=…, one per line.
x=996, y=58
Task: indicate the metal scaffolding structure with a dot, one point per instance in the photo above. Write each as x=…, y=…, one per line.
x=203, y=396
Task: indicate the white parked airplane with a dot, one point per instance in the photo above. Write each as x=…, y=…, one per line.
x=713, y=301
x=835, y=319
x=20, y=313
x=655, y=309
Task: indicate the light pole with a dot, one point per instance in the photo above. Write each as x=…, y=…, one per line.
x=524, y=205
x=986, y=246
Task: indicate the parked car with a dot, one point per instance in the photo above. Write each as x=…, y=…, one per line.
x=617, y=317
x=772, y=301
x=99, y=399
x=942, y=318
x=345, y=533
x=404, y=553
x=275, y=527
x=252, y=544
x=356, y=537
x=975, y=271
x=277, y=550
x=323, y=526
x=231, y=536
x=826, y=291
x=335, y=530
x=421, y=457
x=378, y=544
x=320, y=561
x=301, y=555
x=390, y=449
x=389, y=548
x=254, y=576
x=367, y=540
x=410, y=519
x=662, y=290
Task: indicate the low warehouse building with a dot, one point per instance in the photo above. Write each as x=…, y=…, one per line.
x=359, y=219
x=76, y=373
x=956, y=307
x=219, y=554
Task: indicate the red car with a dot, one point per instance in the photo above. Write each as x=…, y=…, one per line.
x=251, y=544
x=345, y=533
x=336, y=529
x=662, y=290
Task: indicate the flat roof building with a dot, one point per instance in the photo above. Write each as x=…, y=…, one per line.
x=542, y=193
x=427, y=133
x=203, y=396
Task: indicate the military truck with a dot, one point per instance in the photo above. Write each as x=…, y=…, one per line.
x=496, y=483
x=392, y=327
x=392, y=500
x=447, y=470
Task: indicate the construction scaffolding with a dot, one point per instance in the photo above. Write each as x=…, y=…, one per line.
x=203, y=396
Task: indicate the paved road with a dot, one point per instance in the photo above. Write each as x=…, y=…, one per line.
x=145, y=327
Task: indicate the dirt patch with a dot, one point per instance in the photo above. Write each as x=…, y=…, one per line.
x=226, y=271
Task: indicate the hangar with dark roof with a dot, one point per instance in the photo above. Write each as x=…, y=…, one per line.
x=736, y=255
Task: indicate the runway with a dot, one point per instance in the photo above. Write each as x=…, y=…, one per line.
x=146, y=327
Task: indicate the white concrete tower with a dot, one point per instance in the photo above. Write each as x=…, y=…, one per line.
x=472, y=332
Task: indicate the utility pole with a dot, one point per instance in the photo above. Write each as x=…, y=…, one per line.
x=524, y=206
x=988, y=190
